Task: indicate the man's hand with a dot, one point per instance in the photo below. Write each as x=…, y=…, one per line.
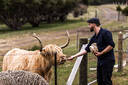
x=107, y=49
x=71, y=58
x=98, y=54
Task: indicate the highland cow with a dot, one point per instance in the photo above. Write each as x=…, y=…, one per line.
x=39, y=61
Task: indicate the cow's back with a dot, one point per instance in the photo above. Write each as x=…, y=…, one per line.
x=33, y=61
x=15, y=59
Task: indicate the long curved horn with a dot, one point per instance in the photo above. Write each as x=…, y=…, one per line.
x=68, y=40
x=34, y=35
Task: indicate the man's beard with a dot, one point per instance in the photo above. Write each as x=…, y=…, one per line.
x=91, y=29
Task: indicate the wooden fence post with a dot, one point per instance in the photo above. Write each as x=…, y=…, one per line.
x=77, y=39
x=120, y=53
x=96, y=15
x=83, y=66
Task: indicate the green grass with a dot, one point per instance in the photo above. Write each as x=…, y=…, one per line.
x=115, y=25
x=5, y=32
x=121, y=78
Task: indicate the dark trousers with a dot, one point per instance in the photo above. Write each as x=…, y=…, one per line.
x=104, y=74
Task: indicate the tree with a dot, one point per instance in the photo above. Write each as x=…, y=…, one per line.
x=125, y=11
x=95, y=2
x=66, y=8
x=15, y=13
x=32, y=12
x=84, y=2
x=119, y=9
x=53, y=10
x=12, y=13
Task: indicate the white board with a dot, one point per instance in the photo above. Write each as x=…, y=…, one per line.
x=75, y=67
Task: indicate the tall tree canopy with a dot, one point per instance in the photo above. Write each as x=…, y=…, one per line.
x=15, y=13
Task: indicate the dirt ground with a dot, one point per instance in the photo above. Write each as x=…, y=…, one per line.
x=29, y=41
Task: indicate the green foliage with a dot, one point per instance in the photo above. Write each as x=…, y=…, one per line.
x=95, y=2
x=118, y=8
x=85, y=2
x=17, y=13
x=58, y=9
x=35, y=47
x=12, y=13
x=80, y=10
x=125, y=11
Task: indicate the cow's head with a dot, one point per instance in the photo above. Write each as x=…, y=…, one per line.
x=49, y=50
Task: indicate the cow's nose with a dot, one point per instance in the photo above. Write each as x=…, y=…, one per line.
x=63, y=59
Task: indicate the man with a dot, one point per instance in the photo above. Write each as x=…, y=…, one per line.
x=105, y=54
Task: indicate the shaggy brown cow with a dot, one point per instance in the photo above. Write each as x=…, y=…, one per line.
x=39, y=61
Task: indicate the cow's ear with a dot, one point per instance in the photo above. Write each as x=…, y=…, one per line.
x=43, y=52
x=46, y=52
x=43, y=49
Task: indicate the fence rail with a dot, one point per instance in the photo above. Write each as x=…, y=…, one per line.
x=75, y=68
x=82, y=63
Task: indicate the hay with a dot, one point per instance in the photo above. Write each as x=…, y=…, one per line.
x=21, y=78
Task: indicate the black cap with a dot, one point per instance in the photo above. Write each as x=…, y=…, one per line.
x=94, y=20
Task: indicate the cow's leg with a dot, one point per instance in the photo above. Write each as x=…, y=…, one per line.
x=48, y=75
x=4, y=66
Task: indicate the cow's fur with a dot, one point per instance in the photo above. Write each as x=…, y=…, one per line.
x=33, y=61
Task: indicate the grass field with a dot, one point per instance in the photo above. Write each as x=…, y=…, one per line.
x=64, y=70
x=5, y=32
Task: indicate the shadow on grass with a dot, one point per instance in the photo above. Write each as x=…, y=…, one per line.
x=44, y=26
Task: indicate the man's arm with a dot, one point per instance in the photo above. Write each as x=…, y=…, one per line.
x=78, y=54
x=107, y=49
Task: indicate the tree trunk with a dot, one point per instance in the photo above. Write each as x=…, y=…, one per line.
x=34, y=24
x=49, y=19
x=14, y=27
x=62, y=18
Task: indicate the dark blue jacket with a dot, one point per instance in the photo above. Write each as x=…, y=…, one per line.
x=103, y=39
